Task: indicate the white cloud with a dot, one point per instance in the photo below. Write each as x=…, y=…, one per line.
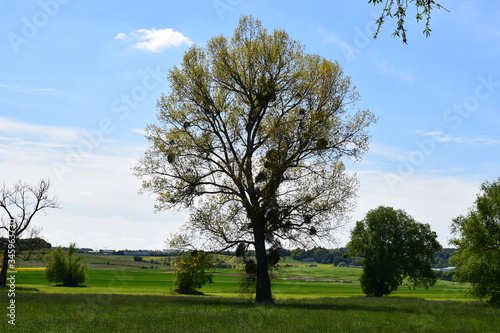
x=430, y=198
x=18, y=88
x=155, y=40
x=100, y=204
x=101, y=207
x=440, y=137
x=348, y=50
x=386, y=152
x=122, y=36
x=140, y=131
x=398, y=73
x=47, y=133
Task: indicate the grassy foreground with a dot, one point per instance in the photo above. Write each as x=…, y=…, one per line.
x=124, y=298
x=38, y=312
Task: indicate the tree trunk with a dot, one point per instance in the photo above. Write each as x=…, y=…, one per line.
x=263, y=293
x=379, y=289
x=5, y=262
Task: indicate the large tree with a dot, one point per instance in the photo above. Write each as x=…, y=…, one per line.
x=478, y=254
x=398, y=9
x=19, y=204
x=251, y=138
x=394, y=247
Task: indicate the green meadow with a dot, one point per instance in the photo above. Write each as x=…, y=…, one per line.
x=123, y=297
x=292, y=282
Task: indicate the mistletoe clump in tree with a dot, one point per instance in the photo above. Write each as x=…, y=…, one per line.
x=251, y=139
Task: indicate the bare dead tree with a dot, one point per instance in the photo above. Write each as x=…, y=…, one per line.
x=18, y=206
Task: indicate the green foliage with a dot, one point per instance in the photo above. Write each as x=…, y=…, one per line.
x=478, y=255
x=251, y=138
x=193, y=271
x=65, y=267
x=447, y=276
x=441, y=259
x=398, y=8
x=394, y=247
x=325, y=256
x=137, y=258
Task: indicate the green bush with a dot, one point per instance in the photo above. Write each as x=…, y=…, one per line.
x=193, y=271
x=65, y=267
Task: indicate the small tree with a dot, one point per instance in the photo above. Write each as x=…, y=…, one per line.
x=192, y=271
x=18, y=206
x=394, y=247
x=478, y=253
x=65, y=267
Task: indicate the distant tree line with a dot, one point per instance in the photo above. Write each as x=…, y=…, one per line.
x=29, y=244
x=322, y=255
x=441, y=258
x=445, y=275
x=338, y=257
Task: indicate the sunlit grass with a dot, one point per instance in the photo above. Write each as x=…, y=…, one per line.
x=37, y=312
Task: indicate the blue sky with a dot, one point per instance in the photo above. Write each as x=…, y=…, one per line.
x=79, y=81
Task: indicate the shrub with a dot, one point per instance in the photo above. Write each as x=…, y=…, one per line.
x=65, y=267
x=192, y=272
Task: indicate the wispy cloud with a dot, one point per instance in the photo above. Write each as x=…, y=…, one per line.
x=441, y=137
x=155, y=40
x=398, y=73
x=18, y=88
x=10, y=128
x=140, y=131
x=347, y=49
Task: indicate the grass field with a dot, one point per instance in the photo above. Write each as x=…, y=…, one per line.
x=39, y=312
x=122, y=297
x=293, y=282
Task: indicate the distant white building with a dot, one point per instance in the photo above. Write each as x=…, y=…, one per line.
x=445, y=269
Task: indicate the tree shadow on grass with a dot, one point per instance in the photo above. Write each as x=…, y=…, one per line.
x=19, y=289
x=358, y=303
x=370, y=304
x=189, y=292
x=26, y=289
